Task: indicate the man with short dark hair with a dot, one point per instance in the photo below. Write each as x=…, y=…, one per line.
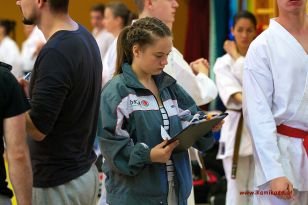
x=65, y=93
x=13, y=105
x=103, y=38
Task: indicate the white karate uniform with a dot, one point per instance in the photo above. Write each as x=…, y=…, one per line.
x=229, y=81
x=29, y=47
x=201, y=88
x=9, y=53
x=104, y=39
x=275, y=88
x=109, y=62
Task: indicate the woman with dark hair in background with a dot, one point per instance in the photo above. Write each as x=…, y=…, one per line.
x=116, y=17
x=229, y=71
x=9, y=51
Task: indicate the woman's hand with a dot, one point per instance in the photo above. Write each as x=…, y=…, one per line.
x=217, y=127
x=231, y=49
x=161, y=153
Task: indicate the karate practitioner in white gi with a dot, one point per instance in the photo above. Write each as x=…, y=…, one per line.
x=275, y=88
x=229, y=70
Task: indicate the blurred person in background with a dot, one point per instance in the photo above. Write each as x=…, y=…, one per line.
x=229, y=79
x=9, y=51
x=117, y=16
x=102, y=37
x=31, y=47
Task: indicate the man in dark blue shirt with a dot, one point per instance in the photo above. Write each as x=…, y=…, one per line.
x=65, y=93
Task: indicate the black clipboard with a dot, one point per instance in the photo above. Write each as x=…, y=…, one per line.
x=188, y=136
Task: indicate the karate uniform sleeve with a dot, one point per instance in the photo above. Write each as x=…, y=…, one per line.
x=237, y=68
x=201, y=88
x=258, y=91
x=227, y=82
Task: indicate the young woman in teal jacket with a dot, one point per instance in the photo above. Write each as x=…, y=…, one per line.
x=136, y=104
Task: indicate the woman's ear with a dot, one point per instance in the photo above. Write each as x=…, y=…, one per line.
x=232, y=30
x=136, y=51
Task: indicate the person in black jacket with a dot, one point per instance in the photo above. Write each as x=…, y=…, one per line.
x=13, y=105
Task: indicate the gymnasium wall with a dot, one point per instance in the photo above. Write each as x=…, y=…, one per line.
x=79, y=10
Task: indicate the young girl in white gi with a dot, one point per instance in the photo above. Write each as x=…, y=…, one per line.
x=228, y=70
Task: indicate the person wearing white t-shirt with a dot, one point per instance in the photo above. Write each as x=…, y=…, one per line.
x=9, y=51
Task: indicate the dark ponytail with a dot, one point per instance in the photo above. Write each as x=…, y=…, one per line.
x=123, y=56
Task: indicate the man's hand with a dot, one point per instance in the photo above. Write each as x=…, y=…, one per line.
x=231, y=49
x=200, y=66
x=30, y=127
x=161, y=153
x=283, y=187
x=25, y=86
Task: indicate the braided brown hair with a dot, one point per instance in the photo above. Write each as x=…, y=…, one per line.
x=143, y=32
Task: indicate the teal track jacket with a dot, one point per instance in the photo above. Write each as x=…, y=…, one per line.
x=129, y=126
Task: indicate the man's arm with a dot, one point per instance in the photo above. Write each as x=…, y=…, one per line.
x=32, y=130
x=30, y=127
x=200, y=86
x=18, y=158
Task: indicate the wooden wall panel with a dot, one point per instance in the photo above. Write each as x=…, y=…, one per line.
x=79, y=10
